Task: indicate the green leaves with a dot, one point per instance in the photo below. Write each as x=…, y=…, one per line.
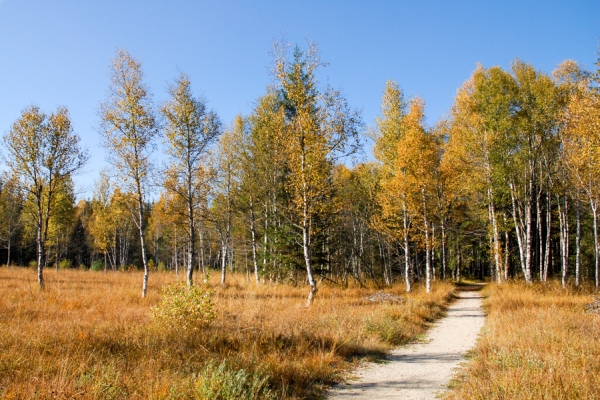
x=184, y=309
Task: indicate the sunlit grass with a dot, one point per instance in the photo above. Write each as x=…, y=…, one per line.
x=90, y=335
x=538, y=343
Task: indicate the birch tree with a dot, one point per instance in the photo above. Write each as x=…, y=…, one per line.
x=418, y=159
x=43, y=151
x=477, y=149
x=190, y=129
x=11, y=204
x=394, y=219
x=581, y=141
x=129, y=127
x=319, y=128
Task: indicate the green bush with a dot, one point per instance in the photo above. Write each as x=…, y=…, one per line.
x=221, y=382
x=161, y=266
x=390, y=326
x=33, y=264
x=184, y=309
x=64, y=264
x=97, y=265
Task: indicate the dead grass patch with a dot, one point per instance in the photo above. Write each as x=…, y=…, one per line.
x=90, y=336
x=538, y=343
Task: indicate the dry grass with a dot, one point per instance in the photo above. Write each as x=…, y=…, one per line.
x=90, y=336
x=538, y=343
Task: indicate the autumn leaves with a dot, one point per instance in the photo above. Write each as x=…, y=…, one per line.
x=495, y=189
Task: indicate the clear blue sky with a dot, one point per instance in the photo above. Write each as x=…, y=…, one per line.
x=56, y=53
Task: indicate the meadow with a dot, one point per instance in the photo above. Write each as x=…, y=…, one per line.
x=91, y=336
x=538, y=343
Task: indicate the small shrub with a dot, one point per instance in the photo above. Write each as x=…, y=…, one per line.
x=151, y=265
x=64, y=264
x=33, y=264
x=161, y=266
x=97, y=265
x=388, y=328
x=184, y=309
x=221, y=382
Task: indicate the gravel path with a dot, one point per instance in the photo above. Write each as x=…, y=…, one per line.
x=422, y=370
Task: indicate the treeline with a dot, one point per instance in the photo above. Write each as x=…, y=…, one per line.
x=506, y=187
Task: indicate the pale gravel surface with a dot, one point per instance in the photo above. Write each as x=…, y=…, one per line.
x=422, y=370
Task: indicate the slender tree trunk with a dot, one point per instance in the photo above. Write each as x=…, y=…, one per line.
x=458, y=262
x=406, y=249
x=225, y=241
x=443, y=227
x=529, y=240
x=524, y=233
x=577, y=242
x=143, y=248
x=427, y=247
x=202, y=264
x=594, y=205
x=306, y=232
x=506, y=254
x=541, y=247
x=191, y=256
x=307, y=255
x=564, y=238
x=548, y=234
x=495, y=237
x=8, y=252
x=175, y=251
x=223, y=262
x=40, y=258
x=253, y=234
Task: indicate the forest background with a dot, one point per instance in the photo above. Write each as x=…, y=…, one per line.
x=501, y=187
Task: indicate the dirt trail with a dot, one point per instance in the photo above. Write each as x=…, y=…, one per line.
x=421, y=370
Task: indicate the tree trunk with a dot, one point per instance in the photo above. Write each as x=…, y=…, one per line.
x=253, y=234
x=541, y=248
x=594, y=205
x=191, y=257
x=577, y=242
x=8, y=252
x=140, y=224
x=506, y=254
x=40, y=260
x=523, y=232
x=548, y=235
x=427, y=247
x=495, y=237
x=202, y=263
x=443, y=227
x=223, y=262
x=564, y=238
x=458, y=262
x=406, y=250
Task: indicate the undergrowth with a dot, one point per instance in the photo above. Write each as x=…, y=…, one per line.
x=538, y=343
x=92, y=336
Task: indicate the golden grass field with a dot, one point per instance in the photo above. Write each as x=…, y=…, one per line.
x=538, y=343
x=90, y=336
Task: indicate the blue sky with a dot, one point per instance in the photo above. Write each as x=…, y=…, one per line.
x=56, y=52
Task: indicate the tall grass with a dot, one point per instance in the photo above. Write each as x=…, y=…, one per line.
x=91, y=336
x=538, y=343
